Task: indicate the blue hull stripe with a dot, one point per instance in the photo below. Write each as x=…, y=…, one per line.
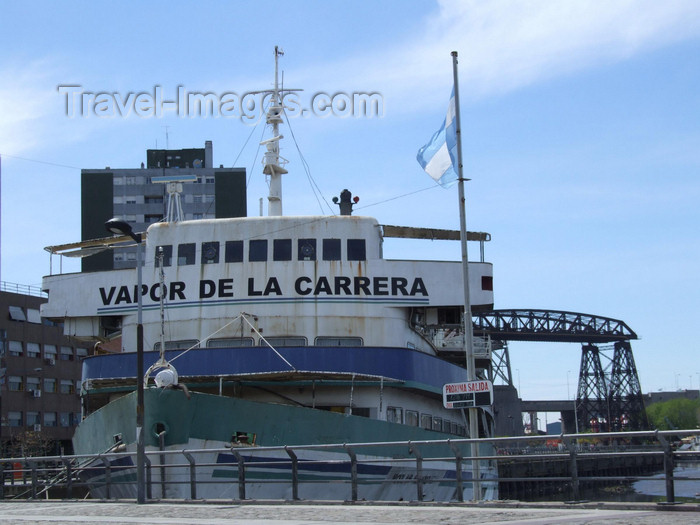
x=409, y=366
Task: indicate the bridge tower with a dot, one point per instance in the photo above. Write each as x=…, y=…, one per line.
x=626, y=402
x=592, y=409
x=609, y=399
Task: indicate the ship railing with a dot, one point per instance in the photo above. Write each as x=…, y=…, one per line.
x=522, y=468
x=451, y=338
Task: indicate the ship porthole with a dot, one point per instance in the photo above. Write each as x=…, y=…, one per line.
x=160, y=427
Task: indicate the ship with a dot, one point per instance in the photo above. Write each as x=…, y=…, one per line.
x=273, y=331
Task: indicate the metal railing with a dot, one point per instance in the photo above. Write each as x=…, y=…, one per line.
x=112, y=475
x=22, y=289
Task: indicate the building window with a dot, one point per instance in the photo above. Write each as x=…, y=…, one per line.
x=66, y=353
x=50, y=419
x=487, y=283
x=331, y=249
x=257, y=250
x=209, y=180
x=357, y=250
x=15, y=348
x=14, y=419
x=210, y=252
x=81, y=352
x=306, y=249
x=186, y=254
x=197, y=216
x=33, y=315
x=67, y=386
x=33, y=384
x=130, y=200
x=154, y=200
x=15, y=383
x=282, y=250
x=167, y=252
x=50, y=353
x=49, y=384
x=150, y=218
x=394, y=414
x=33, y=418
x=66, y=419
x=17, y=314
x=234, y=251
x=412, y=418
x=33, y=350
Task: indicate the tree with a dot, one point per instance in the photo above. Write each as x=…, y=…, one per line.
x=675, y=414
x=29, y=443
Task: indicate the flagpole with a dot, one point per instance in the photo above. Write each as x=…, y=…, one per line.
x=468, y=327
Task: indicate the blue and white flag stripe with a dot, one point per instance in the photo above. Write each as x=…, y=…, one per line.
x=439, y=156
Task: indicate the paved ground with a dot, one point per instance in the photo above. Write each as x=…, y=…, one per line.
x=41, y=512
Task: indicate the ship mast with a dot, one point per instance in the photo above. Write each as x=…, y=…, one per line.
x=273, y=164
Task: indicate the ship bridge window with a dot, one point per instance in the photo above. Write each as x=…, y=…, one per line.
x=284, y=341
x=331, y=249
x=210, y=252
x=230, y=342
x=306, y=249
x=184, y=344
x=167, y=254
x=357, y=250
x=338, y=341
x=450, y=315
x=185, y=254
x=394, y=414
x=426, y=421
x=437, y=424
x=234, y=251
x=412, y=418
x=257, y=250
x=282, y=250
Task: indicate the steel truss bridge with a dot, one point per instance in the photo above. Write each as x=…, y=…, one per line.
x=609, y=395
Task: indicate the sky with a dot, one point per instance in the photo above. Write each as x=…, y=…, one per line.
x=580, y=135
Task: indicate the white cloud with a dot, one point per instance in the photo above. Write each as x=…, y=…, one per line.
x=506, y=45
x=24, y=103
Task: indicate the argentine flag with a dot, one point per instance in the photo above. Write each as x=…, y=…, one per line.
x=439, y=156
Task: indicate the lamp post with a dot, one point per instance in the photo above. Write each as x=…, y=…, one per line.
x=119, y=226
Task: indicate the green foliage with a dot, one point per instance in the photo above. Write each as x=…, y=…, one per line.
x=675, y=414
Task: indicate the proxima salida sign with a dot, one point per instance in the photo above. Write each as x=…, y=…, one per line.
x=469, y=394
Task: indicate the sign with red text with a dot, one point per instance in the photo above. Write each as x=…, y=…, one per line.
x=469, y=394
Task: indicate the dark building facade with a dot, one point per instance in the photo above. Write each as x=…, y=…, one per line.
x=131, y=195
x=40, y=384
